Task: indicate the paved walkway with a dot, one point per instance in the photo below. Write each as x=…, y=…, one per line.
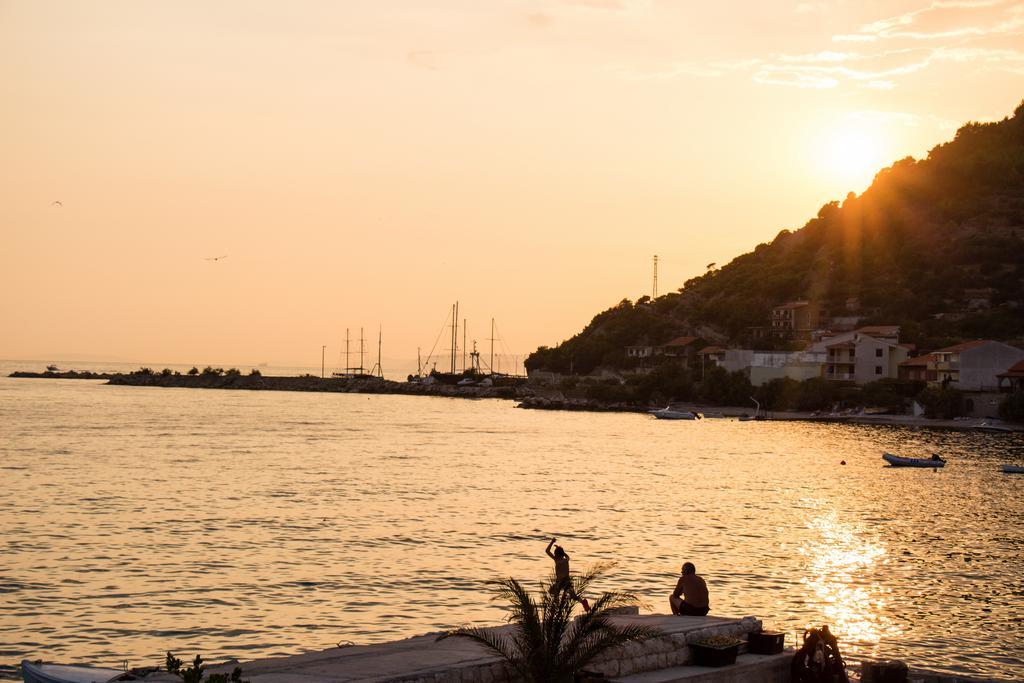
x=419, y=658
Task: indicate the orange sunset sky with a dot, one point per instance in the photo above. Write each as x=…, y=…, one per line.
x=365, y=163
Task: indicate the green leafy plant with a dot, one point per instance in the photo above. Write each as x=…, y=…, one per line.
x=546, y=644
x=194, y=673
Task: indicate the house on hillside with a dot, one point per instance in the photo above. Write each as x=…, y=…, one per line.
x=639, y=351
x=761, y=367
x=916, y=369
x=795, y=319
x=711, y=356
x=682, y=348
x=863, y=358
x=974, y=365
x=1013, y=379
x=889, y=333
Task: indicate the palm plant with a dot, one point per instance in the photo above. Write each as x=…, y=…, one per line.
x=545, y=643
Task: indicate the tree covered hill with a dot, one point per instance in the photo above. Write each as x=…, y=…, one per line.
x=904, y=252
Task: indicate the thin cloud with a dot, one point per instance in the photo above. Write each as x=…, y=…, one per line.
x=943, y=20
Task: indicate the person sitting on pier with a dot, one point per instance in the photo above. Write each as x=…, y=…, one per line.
x=562, y=578
x=690, y=598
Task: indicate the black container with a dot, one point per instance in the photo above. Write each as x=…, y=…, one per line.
x=765, y=642
x=704, y=655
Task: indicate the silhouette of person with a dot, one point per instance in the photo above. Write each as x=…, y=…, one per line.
x=690, y=598
x=562, y=579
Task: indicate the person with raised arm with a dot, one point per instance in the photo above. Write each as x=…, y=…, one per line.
x=562, y=577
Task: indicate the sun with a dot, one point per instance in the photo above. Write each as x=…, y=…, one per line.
x=853, y=155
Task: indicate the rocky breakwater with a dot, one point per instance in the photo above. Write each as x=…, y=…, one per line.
x=312, y=383
x=589, y=404
x=62, y=374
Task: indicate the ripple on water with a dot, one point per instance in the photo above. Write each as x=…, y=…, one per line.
x=186, y=521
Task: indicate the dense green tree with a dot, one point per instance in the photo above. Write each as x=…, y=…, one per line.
x=907, y=248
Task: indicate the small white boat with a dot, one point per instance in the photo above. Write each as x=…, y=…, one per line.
x=37, y=672
x=1013, y=469
x=897, y=461
x=667, y=413
x=992, y=428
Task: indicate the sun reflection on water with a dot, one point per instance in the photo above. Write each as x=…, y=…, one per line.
x=841, y=583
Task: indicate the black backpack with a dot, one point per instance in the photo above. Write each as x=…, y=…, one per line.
x=818, y=660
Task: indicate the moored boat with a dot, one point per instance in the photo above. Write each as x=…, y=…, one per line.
x=38, y=672
x=992, y=428
x=1013, y=469
x=898, y=461
x=667, y=413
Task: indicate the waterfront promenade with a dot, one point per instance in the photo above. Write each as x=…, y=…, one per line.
x=424, y=659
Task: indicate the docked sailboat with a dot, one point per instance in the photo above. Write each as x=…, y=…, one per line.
x=473, y=372
x=351, y=372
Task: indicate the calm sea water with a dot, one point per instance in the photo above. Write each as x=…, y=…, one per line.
x=245, y=524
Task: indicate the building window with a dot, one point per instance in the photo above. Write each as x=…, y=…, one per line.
x=878, y=353
x=878, y=369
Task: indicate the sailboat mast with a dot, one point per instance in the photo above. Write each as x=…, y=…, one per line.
x=348, y=363
x=380, y=368
x=362, y=339
x=455, y=335
x=464, y=345
x=492, y=346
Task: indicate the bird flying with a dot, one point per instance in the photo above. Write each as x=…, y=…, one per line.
x=216, y=258
x=57, y=203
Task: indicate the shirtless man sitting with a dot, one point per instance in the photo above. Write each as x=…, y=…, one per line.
x=690, y=598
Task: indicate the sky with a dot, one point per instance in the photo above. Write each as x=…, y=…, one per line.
x=366, y=165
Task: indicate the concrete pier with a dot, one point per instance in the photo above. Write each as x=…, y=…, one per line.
x=423, y=659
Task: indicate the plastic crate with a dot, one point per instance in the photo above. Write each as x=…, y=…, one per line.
x=704, y=655
x=765, y=642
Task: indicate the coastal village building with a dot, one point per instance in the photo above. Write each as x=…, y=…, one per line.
x=1013, y=379
x=862, y=357
x=795, y=319
x=639, y=351
x=711, y=356
x=684, y=348
x=916, y=369
x=972, y=366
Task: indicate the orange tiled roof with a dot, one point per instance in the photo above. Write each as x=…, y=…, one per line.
x=956, y=348
x=711, y=349
x=1016, y=370
x=880, y=330
x=918, y=361
x=681, y=341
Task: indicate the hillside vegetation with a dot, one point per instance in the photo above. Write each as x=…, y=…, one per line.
x=906, y=250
